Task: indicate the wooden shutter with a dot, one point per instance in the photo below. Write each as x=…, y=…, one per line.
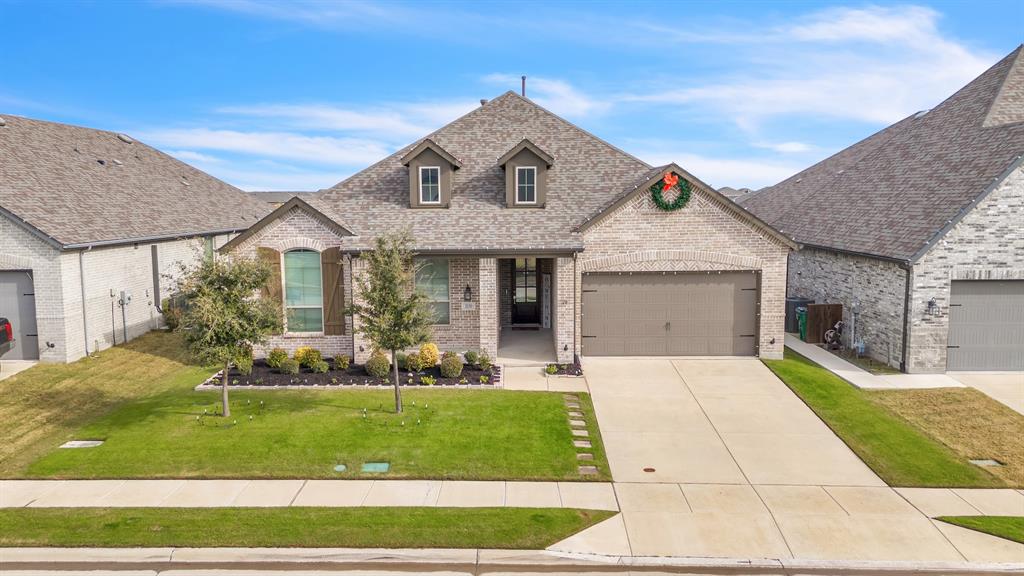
x=334, y=291
x=272, y=289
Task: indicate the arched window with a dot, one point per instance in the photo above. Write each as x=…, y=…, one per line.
x=303, y=291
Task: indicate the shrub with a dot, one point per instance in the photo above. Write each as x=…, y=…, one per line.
x=429, y=355
x=342, y=362
x=320, y=367
x=472, y=357
x=401, y=358
x=451, y=366
x=172, y=316
x=276, y=357
x=289, y=366
x=484, y=361
x=307, y=356
x=414, y=362
x=428, y=380
x=551, y=369
x=243, y=362
x=378, y=365
x=484, y=379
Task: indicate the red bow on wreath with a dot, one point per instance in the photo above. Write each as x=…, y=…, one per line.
x=670, y=180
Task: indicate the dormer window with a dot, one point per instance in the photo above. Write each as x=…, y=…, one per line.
x=526, y=185
x=430, y=184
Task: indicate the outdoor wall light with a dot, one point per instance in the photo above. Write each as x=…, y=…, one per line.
x=467, y=294
x=933, y=307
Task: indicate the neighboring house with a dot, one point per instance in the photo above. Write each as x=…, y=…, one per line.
x=919, y=231
x=90, y=222
x=275, y=199
x=529, y=228
x=734, y=194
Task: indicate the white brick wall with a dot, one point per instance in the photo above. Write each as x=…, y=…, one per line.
x=21, y=250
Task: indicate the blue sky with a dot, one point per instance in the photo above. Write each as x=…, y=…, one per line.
x=296, y=96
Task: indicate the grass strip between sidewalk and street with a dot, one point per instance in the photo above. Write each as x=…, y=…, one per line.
x=508, y=528
x=1009, y=527
x=897, y=450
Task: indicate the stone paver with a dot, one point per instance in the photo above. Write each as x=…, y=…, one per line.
x=333, y=493
x=994, y=502
x=268, y=493
x=468, y=494
x=205, y=493
x=532, y=495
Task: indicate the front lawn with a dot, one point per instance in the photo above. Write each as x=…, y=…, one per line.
x=1009, y=527
x=443, y=434
x=899, y=452
x=515, y=528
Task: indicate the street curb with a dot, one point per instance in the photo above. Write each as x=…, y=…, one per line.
x=468, y=561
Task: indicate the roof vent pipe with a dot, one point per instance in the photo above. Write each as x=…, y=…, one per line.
x=524, y=86
x=3, y=122
x=483, y=101
x=125, y=138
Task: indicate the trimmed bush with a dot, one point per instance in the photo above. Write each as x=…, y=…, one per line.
x=320, y=367
x=551, y=369
x=289, y=366
x=414, y=362
x=471, y=357
x=484, y=361
x=428, y=380
x=342, y=362
x=378, y=365
x=276, y=357
x=451, y=366
x=244, y=363
x=307, y=356
x=429, y=355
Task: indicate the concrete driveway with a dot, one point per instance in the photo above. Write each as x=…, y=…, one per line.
x=727, y=421
x=1006, y=387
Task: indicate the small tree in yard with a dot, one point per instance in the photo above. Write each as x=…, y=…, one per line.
x=393, y=315
x=226, y=316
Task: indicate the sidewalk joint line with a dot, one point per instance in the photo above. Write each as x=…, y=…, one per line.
x=297, y=492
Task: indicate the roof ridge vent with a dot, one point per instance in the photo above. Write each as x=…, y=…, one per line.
x=2, y=121
x=118, y=162
x=921, y=113
x=125, y=138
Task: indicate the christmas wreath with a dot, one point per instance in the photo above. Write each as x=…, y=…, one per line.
x=667, y=183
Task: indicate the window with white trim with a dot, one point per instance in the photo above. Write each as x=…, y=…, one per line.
x=430, y=184
x=432, y=279
x=526, y=185
x=303, y=291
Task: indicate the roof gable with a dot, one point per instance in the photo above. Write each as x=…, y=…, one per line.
x=428, y=144
x=281, y=211
x=526, y=145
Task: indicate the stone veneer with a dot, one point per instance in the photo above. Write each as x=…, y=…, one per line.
x=706, y=234
x=876, y=286
x=987, y=244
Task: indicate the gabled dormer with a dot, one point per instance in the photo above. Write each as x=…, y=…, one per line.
x=431, y=170
x=526, y=175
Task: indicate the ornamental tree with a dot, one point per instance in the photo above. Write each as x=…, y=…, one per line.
x=225, y=314
x=392, y=314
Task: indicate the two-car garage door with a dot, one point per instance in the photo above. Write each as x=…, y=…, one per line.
x=670, y=314
x=986, y=325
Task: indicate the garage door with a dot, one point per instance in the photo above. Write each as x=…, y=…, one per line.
x=986, y=325
x=18, y=304
x=671, y=314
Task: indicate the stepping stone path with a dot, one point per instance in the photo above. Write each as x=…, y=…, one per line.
x=578, y=425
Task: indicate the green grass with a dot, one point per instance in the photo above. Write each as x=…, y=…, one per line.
x=897, y=451
x=162, y=428
x=516, y=528
x=1009, y=527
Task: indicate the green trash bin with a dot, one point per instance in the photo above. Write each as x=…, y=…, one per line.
x=801, y=318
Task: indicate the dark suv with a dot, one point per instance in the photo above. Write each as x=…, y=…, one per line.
x=6, y=336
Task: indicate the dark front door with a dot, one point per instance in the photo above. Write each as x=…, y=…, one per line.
x=524, y=297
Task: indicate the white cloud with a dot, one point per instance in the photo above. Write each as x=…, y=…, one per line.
x=287, y=145
x=721, y=171
x=785, y=147
x=342, y=14
x=192, y=156
x=557, y=96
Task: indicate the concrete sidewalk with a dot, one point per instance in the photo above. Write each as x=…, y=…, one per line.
x=280, y=493
x=862, y=378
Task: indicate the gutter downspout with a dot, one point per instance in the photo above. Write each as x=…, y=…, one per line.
x=81, y=281
x=906, y=317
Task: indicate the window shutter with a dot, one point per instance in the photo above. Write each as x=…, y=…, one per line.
x=334, y=291
x=272, y=289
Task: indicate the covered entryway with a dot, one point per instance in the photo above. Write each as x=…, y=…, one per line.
x=670, y=314
x=18, y=304
x=986, y=325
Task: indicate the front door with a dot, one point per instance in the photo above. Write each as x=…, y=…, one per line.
x=524, y=298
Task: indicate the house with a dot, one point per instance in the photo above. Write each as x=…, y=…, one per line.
x=90, y=223
x=275, y=198
x=918, y=231
x=534, y=233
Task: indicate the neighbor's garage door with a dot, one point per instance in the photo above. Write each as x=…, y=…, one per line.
x=18, y=304
x=681, y=314
x=986, y=325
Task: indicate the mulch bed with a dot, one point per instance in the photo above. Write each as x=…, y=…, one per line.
x=574, y=369
x=355, y=375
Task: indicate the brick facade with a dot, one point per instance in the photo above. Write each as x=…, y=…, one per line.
x=706, y=234
x=876, y=287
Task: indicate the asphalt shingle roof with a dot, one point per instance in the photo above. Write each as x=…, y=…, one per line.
x=587, y=173
x=81, y=185
x=890, y=194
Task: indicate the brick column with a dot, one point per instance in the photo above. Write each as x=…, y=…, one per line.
x=564, y=300
x=488, y=303
x=361, y=347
